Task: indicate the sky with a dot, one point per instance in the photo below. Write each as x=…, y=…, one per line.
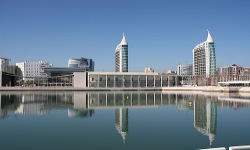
x=160, y=33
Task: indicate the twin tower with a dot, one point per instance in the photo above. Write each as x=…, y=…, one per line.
x=121, y=56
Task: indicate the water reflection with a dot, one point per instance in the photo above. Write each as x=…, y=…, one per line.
x=83, y=104
x=121, y=122
x=205, y=116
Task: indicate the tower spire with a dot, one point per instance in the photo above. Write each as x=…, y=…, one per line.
x=209, y=37
x=124, y=41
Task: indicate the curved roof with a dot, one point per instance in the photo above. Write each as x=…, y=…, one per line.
x=209, y=38
x=124, y=41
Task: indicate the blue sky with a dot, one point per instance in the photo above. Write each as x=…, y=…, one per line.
x=160, y=33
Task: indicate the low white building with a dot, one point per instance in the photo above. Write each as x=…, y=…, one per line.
x=33, y=68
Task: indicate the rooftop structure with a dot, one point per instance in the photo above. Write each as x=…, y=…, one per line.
x=149, y=70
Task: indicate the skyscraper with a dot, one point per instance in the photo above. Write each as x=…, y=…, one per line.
x=204, y=60
x=121, y=56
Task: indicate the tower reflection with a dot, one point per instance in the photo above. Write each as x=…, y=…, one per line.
x=205, y=116
x=121, y=122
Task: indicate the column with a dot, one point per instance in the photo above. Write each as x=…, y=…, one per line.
x=154, y=98
x=161, y=80
x=106, y=81
x=139, y=99
x=176, y=81
x=89, y=80
x=98, y=80
x=114, y=99
x=168, y=81
x=123, y=80
x=146, y=81
x=106, y=99
x=161, y=98
x=138, y=81
x=154, y=81
x=114, y=81
x=131, y=82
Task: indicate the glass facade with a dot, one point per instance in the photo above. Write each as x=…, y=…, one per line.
x=124, y=58
x=212, y=59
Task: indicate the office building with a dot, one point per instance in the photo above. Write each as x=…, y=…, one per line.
x=121, y=56
x=186, y=70
x=86, y=63
x=204, y=60
x=32, y=69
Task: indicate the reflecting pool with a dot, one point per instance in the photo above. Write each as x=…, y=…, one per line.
x=123, y=120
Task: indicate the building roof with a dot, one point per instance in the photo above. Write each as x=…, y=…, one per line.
x=209, y=38
x=124, y=41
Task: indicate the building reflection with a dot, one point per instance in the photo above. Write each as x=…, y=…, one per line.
x=205, y=116
x=121, y=122
x=83, y=104
x=41, y=103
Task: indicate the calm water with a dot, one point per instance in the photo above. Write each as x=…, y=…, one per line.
x=129, y=120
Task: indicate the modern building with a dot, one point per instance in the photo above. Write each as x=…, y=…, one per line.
x=121, y=56
x=86, y=63
x=149, y=70
x=186, y=70
x=33, y=69
x=204, y=60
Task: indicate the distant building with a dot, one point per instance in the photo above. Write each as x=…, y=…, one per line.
x=149, y=70
x=171, y=72
x=121, y=56
x=9, y=74
x=204, y=60
x=233, y=72
x=86, y=63
x=221, y=71
x=185, y=70
x=33, y=69
x=3, y=63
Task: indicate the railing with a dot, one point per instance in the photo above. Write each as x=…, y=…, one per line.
x=230, y=148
